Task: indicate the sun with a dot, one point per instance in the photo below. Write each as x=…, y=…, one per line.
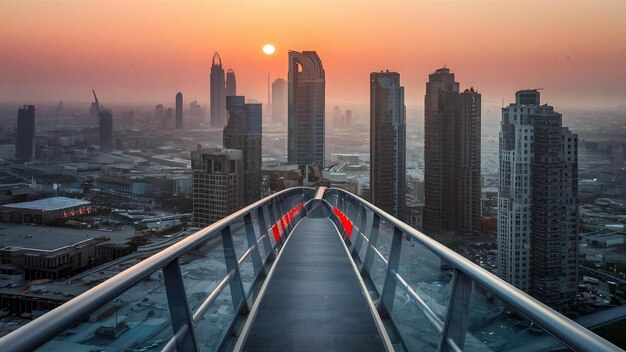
x=269, y=49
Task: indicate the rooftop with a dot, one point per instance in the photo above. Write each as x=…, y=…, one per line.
x=49, y=204
x=51, y=238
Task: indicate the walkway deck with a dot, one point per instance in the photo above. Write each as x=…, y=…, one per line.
x=314, y=301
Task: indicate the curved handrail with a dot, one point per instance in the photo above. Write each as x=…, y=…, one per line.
x=42, y=330
x=557, y=325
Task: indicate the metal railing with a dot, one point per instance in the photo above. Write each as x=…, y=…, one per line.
x=194, y=294
x=435, y=299
x=171, y=291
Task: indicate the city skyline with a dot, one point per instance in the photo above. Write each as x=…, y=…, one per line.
x=133, y=67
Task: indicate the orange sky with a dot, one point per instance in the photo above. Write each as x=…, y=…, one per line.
x=146, y=51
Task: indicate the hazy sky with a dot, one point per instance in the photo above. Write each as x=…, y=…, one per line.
x=146, y=51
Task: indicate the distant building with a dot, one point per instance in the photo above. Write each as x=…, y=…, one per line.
x=45, y=211
x=217, y=184
x=159, y=113
x=106, y=130
x=25, y=141
x=452, y=184
x=243, y=132
x=388, y=143
x=218, y=93
x=170, y=119
x=306, y=108
x=337, y=118
x=196, y=110
x=348, y=118
x=231, y=83
x=279, y=101
x=538, y=201
x=179, y=110
x=7, y=151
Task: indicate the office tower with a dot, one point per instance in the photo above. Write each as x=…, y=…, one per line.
x=337, y=118
x=179, y=110
x=25, y=142
x=538, y=201
x=231, y=83
x=159, y=113
x=217, y=184
x=279, y=101
x=94, y=109
x=451, y=156
x=388, y=143
x=243, y=132
x=196, y=110
x=306, y=104
x=218, y=93
x=348, y=118
x=106, y=130
x=170, y=119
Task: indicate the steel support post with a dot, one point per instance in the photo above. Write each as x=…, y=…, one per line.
x=236, y=284
x=455, y=326
x=369, y=253
x=257, y=264
x=180, y=314
x=269, y=253
x=385, y=305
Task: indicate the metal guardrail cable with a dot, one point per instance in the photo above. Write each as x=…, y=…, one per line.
x=212, y=297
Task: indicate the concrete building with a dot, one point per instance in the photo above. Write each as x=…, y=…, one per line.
x=388, y=143
x=279, y=101
x=231, y=83
x=306, y=108
x=218, y=93
x=106, y=130
x=538, y=201
x=25, y=141
x=217, y=184
x=451, y=156
x=243, y=132
x=179, y=110
x=45, y=211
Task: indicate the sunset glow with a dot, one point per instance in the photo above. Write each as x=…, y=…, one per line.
x=61, y=49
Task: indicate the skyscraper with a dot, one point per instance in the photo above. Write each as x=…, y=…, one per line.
x=25, y=142
x=279, y=101
x=159, y=113
x=218, y=93
x=179, y=110
x=217, y=184
x=231, y=83
x=243, y=132
x=538, y=201
x=106, y=130
x=388, y=143
x=451, y=156
x=306, y=108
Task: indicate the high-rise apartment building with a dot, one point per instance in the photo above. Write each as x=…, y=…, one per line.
x=25, y=141
x=218, y=93
x=306, y=108
x=388, y=143
x=105, y=120
x=451, y=156
x=243, y=132
x=231, y=83
x=538, y=201
x=279, y=101
x=217, y=184
x=179, y=110
x=159, y=113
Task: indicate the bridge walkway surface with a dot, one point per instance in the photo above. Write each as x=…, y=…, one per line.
x=314, y=300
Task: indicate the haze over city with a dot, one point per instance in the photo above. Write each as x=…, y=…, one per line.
x=142, y=51
x=345, y=175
